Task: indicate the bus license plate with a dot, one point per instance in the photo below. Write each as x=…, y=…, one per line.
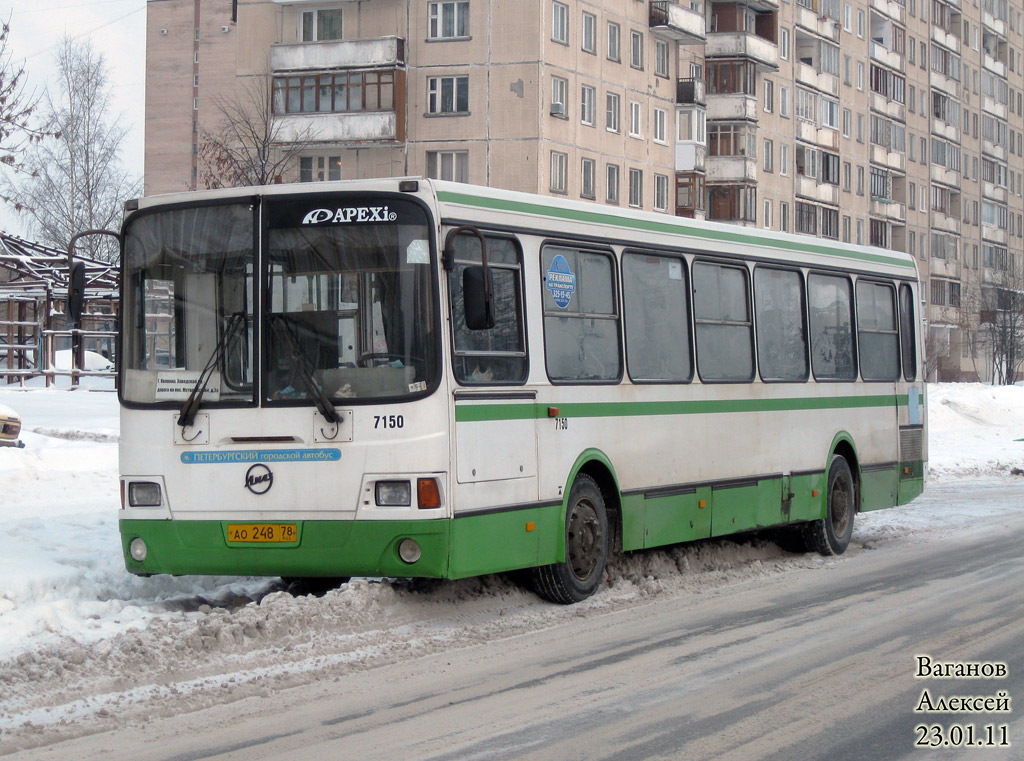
x=269, y=533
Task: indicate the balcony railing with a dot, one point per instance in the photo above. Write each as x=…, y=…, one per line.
x=690, y=91
x=677, y=22
x=743, y=45
x=337, y=54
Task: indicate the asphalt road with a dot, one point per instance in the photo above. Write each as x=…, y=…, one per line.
x=806, y=664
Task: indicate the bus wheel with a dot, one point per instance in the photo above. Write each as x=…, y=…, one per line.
x=831, y=534
x=586, y=548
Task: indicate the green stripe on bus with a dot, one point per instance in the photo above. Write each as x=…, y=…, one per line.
x=675, y=228
x=472, y=413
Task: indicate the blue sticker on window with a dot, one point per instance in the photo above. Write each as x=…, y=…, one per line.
x=561, y=281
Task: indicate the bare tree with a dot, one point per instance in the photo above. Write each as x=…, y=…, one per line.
x=17, y=109
x=77, y=181
x=250, y=145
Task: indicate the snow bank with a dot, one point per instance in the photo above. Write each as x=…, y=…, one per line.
x=75, y=628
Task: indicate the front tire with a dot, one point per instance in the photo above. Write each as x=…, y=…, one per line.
x=831, y=535
x=586, y=548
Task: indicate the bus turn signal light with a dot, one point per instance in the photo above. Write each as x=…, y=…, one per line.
x=552, y=411
x=427, y=493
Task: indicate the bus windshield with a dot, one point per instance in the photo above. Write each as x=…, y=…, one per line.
x=351, y=307
x=349, y=304
x=188, y=293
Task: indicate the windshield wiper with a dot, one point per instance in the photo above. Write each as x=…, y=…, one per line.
x=187, y=415
x=280, y=325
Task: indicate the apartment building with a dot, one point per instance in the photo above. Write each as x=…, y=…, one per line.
x=884, y=122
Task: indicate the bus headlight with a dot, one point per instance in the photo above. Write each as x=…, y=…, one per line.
x=394, y=494
x=409, y=551
x=137, y=549
x=144, y=494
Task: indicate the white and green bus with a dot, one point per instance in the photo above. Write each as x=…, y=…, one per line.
x=411, y=378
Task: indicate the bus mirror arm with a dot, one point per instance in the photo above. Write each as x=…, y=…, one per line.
x=478, y=296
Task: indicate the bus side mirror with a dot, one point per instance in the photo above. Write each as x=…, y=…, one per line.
x=76, y=292
x=479, y=310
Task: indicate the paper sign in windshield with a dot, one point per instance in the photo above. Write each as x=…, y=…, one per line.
x=178, y=384
x=561, y=281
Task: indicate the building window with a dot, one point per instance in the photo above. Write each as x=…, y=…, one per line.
x=732, y=202
x=766, y=214
x=319, y=168
x=447, y=95
x=634, y=119
x=335, y=93
x=560, y=22
x=784, y=44
x=588, y=96
x=806, y=218
x=636, y=188
x=784, y=216
x=660, y=119
x=783, y=159
x=614, y=35
x=661, y=192
x=448, y=165
x=320, y=24
x=661, y=58
x=784, y=101
x=559, y=94
x=589, y=33
x=612, y=183
x=768, y=155
x=559, y=169
x=636, y=50
x=448, y=20
x=611, y=116
x=588, y=169
x=769, y=96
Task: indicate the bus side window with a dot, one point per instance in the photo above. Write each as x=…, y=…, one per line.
x=656, y=307
x=497, y=355
x=832, y=355
x=725, y=330
x=781, y=324
x=581, y=321
x=908, y=339
x=876, y=332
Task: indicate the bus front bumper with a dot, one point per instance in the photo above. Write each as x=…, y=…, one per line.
x=320, y=549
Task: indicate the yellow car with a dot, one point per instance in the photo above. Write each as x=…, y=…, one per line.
x=10, y=427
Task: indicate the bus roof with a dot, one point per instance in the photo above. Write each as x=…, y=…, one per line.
x=558, y=216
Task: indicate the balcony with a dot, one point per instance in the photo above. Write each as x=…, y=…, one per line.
x=810, y=132
x=947, y=39
x=337, y=54
x=941, y=221
x=995, y=66
x=732, y=106
x=949, y=86
x=731, y=169
x=947, y=131
x=994, y=192
x=823, y=192
x=890, y=108
x=807, y=75
x=690, y=92
x=945, y=176
x=890, y=8
x=894, y=211
x=821, y=25
x=994, y=150
x=349, y=127
x=993, y=234
x=882, y=156
x=677, y=22
x=690, y=156
x=887, y=57
x=763, y=52
x=992, y=107
x=943, y=267
x=996, y=25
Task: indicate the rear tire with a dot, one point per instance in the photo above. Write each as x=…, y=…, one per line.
x=831, y=535
x=586, y=548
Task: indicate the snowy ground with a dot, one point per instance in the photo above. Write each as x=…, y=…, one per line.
x=82, y=641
